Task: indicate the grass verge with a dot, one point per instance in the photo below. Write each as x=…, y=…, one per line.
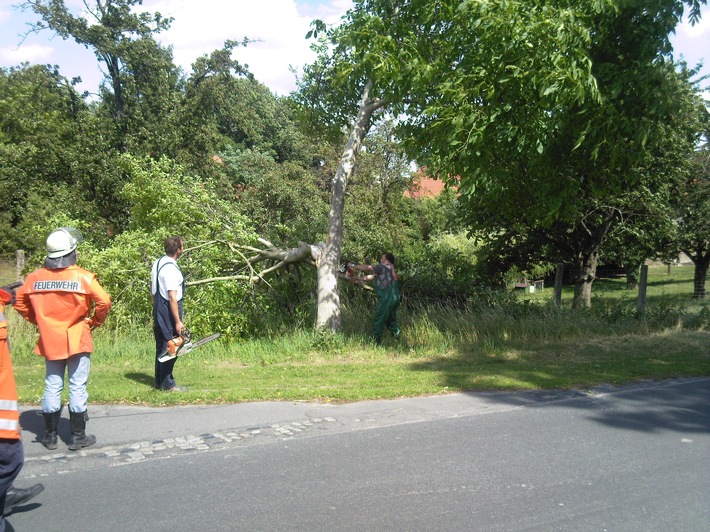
x=528, y=344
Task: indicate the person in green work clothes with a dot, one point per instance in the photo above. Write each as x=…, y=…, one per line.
x=387, y=289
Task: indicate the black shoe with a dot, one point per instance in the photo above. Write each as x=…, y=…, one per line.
x=17, y=496
x=81, y=441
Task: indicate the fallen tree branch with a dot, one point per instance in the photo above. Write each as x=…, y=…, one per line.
x=305, y=253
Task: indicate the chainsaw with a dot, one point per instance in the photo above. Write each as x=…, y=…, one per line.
x=183, y=344
x=347, y=272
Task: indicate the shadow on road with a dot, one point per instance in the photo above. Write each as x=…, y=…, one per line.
x=684, y=404
x=33, y=421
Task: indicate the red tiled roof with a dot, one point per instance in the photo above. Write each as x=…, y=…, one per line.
x=424, y=187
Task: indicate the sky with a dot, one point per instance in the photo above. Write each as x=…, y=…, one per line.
x=277, y=27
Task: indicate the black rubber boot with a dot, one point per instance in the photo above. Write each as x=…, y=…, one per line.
x=51, y=422
x=16, y=496
x=79, y=438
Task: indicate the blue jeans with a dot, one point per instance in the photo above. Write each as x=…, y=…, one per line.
x=77, y=367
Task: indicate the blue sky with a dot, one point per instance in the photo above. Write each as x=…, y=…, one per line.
x=278, y=28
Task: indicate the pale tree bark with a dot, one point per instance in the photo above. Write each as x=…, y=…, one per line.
x=328, y=315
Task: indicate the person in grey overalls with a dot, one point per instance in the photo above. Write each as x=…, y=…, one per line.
x=167, y=291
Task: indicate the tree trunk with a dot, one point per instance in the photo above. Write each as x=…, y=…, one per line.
x=632, y=276
x=700, y=276
x=328, y=314
x=114, y=70
x=585, y=272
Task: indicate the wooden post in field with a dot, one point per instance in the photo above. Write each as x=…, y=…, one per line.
x=641, y=303
x=20, y=264
x=558, y=283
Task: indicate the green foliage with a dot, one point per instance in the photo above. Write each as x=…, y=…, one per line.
x=690, y=210
x=162, y=195
x=442, y=269
x=53, y=158
x=165, y=200
x=544, y=114
x=39, y=122
x=282, y=200
x=548, y=119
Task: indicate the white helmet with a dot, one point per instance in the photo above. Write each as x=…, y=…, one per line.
x=63, y=241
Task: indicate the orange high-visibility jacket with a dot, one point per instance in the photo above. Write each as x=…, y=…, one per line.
x=59, y=303
x=9, y=413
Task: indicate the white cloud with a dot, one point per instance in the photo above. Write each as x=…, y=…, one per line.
x=33, y=53
x=277, y=29
x=701, y=30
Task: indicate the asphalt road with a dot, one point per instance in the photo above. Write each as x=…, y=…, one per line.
x=619, y=459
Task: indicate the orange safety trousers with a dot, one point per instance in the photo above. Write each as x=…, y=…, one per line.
x=9, y=412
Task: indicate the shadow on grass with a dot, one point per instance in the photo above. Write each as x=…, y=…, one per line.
x=141, y=378
x=611, y=286
x=669, y=282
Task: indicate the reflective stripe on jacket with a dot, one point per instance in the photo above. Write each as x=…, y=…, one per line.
x=9, y=412
x=59, y=303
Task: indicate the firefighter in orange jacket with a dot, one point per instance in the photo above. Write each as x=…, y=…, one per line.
x=58, y=299
x=12, y=456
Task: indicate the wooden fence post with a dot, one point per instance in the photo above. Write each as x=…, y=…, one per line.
x=643, y=282
x=19, y=264
x=558, y=283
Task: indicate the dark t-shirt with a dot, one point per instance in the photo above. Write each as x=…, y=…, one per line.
x=386, y=276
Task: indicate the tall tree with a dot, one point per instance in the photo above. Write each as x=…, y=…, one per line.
x=140, y=74
x=328, y=315
x=436, y=66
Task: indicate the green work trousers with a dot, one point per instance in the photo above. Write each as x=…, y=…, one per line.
x=386, y=312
